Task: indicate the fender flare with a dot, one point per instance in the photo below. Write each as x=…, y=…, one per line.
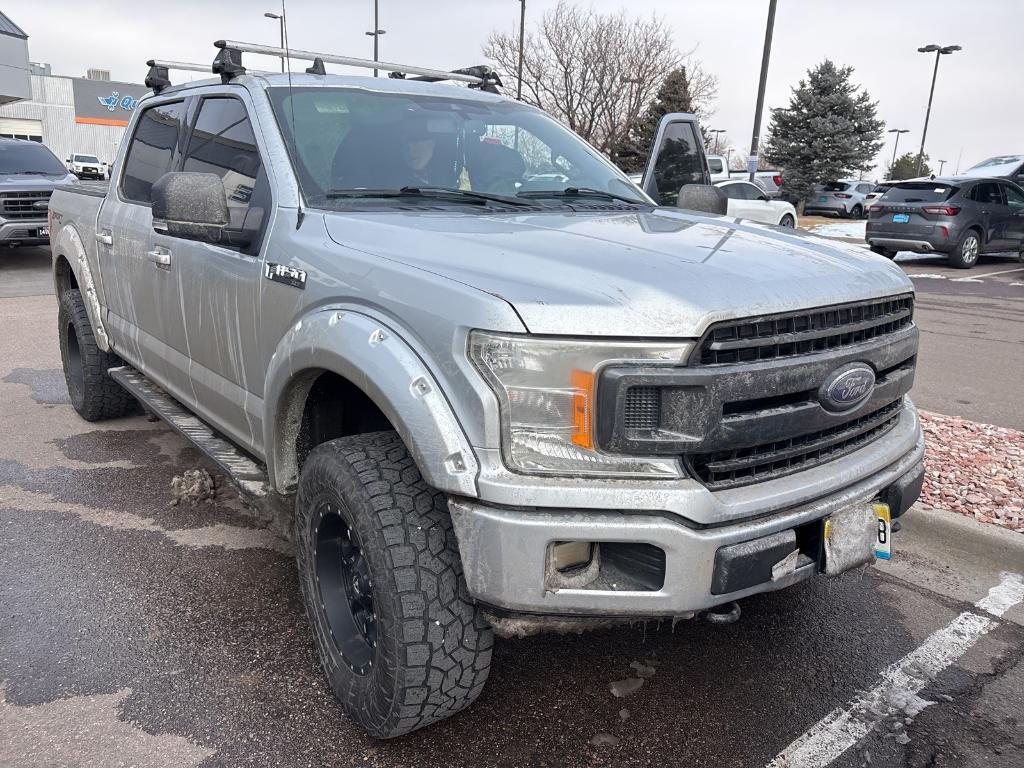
x=69, y=246
x=377, y=360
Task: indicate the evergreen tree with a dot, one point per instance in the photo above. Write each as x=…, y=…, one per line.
x=829, y=130
x=905, y=167
x=673, y=96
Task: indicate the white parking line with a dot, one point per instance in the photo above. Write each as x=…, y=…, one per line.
x=900, y=683
x=974, y=278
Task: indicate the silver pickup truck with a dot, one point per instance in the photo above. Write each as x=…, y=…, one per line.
x=502, y=389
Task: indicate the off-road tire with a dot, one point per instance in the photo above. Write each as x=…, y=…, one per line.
x=961, y=257
x=432, y=646
x=93, y=393
x=887, y=252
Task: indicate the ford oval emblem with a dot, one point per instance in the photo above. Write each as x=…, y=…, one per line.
x=847, y=387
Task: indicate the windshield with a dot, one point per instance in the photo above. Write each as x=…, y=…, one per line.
x=352, y=143
x=29, y=157
x=85, y=158
x=1001, y=160
x=919, y=192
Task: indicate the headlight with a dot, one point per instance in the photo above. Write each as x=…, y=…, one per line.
x=546, y=389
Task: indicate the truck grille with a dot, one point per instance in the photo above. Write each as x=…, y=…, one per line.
x=803, y=333
x=20, y=205
x=728, y=469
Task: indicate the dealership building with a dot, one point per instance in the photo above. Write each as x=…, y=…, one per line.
x=84, y=115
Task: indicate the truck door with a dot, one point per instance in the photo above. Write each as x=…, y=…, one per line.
x=138, y=293
x=677, y=158
x=216, y=364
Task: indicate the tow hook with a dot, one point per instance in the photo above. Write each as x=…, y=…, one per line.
x=729, y=613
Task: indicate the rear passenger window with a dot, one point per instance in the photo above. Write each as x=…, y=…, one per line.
x=152, y=150
x=223, y=143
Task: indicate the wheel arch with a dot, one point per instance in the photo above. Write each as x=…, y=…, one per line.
x=71, y=270
x=384, y=375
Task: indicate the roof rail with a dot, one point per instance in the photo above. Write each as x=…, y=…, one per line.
x=228, y=63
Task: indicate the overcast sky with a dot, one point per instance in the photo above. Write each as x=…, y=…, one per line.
x=979, y=99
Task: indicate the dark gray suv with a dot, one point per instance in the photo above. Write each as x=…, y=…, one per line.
x=959, y=216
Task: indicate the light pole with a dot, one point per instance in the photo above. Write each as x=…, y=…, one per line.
x=522, y=35
x=941, y=164
x=897, y=131
x=939, y=50
x=280, y=22
x=717, y=132
x=377, y=32
x=765, y=56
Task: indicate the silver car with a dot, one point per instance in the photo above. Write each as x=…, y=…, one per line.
x=845, y=198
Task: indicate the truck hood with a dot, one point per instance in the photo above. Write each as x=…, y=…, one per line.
x=662, y=273
x=29, y=181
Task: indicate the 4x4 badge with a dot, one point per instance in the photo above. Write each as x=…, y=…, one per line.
x=282, y=273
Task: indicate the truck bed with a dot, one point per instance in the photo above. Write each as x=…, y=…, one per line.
x=92, y=188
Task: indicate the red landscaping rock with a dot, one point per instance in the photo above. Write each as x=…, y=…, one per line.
x=974, y=469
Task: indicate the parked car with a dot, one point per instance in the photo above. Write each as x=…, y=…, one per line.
x=1000, y=167
x=962, y=217
x=769, y=180
x=749, y=201
x=718, y=167
x=872, y=197
x=29, y=172
x=487, y=403
x=843, y=198
x=86, y=166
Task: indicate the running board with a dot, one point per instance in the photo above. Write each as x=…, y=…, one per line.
x=249, y=476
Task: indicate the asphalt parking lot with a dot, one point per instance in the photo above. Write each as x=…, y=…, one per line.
x=175, y=636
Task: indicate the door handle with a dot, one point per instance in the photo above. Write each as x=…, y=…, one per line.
x=105, y=237
x=160, y=258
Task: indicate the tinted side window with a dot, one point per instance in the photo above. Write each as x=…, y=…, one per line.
x=1014, y=198
x=679, y=163
x=863, y=188
x=732, y=191
x=716, y=165
x=988, y=193
x=152, y=150
x=222, y=142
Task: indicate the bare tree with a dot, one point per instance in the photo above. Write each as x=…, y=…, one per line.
x=595, y=72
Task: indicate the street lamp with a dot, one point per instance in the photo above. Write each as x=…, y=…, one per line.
x=376, y=33
x=522, y=35
x=938, y=50
x=897, y=131
x=280, y=21
x=716, y=131
x=942, y=163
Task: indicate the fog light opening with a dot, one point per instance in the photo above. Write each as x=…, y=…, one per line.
x=569, y=556
x=571, y=565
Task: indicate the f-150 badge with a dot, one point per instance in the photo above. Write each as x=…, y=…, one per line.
x=282, y=273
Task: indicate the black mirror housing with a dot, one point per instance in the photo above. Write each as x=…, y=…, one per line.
x=192, y=206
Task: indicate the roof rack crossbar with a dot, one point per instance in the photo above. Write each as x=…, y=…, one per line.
x=158, y=77
x=486, y=79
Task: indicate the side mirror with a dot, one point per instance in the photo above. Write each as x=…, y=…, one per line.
x=67, y=159
x=192, y=206
x=764, y=198
x=703, y=198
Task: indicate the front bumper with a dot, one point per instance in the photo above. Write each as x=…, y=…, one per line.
x=26, y=231
x=505, y=550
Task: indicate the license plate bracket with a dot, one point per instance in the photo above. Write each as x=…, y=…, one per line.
x=857, y=535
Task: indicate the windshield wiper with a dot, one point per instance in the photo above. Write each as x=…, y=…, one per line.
x=452, y=193
x=37, y=173
x=579, y=192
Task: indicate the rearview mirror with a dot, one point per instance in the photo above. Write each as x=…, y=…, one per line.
x=192, y=206
x=704, y=198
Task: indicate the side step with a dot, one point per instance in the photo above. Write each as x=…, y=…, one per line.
x=248, y=475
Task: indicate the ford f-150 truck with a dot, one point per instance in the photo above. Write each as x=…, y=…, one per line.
x=28, y=174
x=502, y=389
